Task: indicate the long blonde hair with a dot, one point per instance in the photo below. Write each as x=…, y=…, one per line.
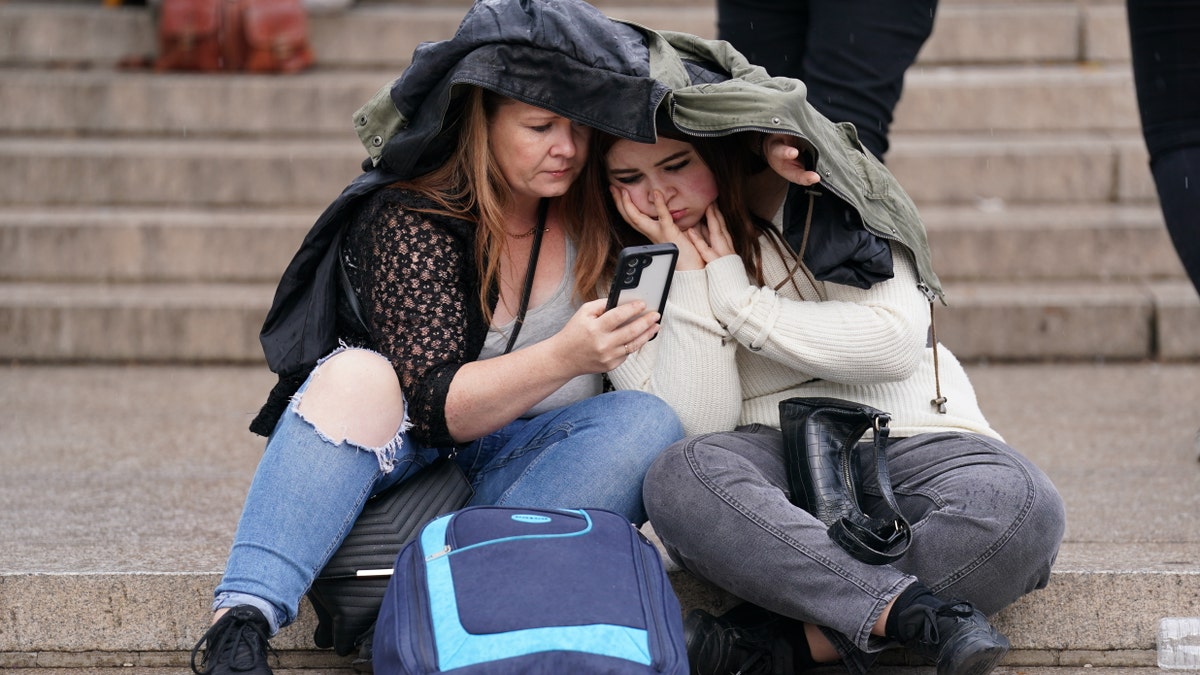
x=470, y=185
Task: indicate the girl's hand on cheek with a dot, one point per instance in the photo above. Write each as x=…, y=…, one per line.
x=718, y=233
x=658, y=231
x=661, y=231
x=712, y=239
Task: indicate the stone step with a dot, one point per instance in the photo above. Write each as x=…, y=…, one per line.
x=153, y=619
x=1001, y=170
x=151, y=323
x=219, y=322
x=87, y=244
x=119, y=244
x=1019, y=98
x=139, y=564
x=995, y=242
x=176, y=173
x=384, y=34
x=935, y=169
x=1000, y=99
x=94, y=103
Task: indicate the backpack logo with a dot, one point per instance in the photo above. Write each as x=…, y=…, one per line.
x=530, y=518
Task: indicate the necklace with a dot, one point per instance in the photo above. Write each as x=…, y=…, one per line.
x=530, y=232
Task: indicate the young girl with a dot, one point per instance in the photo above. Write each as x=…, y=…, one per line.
x=749, y=324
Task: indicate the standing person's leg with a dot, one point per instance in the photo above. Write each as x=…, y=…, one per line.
x=857, y=54
x=1165, y=48
x=591, y=454
x=769, y=33
x=1177, y=179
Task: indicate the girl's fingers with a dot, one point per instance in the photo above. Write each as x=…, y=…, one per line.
x=715, y=220
x=697, y=238
x=664, y=212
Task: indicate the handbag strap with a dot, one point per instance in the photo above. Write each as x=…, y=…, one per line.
x=527, y=288
x=876, y=541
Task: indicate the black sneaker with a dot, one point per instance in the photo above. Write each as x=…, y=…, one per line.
x=236, y=643
x=364, y=663
x=955, y=636
x=747, y=640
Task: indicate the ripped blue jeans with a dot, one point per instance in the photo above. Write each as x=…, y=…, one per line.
x=308, y=491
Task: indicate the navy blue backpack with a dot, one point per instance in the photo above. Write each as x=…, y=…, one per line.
x=502, y=590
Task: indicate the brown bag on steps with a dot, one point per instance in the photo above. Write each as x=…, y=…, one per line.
x=189, y=35
x=260, y=36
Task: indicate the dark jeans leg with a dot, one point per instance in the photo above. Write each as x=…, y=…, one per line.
x=1165, y=47
x=852, y=54
x=1177, y=177
x=858, y=52
x=769, y=33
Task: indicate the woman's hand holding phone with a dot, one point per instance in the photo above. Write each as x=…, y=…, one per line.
x=598, y=339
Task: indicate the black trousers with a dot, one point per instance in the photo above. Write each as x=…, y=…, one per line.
x=852, y=54
x=1165, y=42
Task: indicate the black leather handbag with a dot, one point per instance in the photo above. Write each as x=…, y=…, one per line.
x=348, y=591
x=820, y=445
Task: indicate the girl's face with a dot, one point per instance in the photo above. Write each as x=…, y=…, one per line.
x=672, y=168
x=539, y=153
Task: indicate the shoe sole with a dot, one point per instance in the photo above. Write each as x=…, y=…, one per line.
x=974, y=657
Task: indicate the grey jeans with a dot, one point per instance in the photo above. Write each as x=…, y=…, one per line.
x=986, y=524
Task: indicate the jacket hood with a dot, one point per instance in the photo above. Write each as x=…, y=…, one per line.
x=561, y=55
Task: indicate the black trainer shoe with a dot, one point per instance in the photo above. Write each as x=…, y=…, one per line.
x=955, y=636
x=364, y=662
x=747, y=640
x=236, y=643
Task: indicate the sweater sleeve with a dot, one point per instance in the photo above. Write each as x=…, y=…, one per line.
x=413, y=274
x=852, y=336
x=691, y=364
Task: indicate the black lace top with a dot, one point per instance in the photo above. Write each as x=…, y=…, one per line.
x=415, y=278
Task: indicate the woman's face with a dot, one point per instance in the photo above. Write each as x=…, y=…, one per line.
x=672, y=168
x=539, y=153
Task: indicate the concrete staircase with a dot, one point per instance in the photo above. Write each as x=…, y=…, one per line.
x=145, y=218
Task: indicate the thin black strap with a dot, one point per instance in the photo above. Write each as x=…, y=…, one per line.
x=543, y=207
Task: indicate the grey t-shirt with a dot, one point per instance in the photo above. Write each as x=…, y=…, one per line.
x=542, y=322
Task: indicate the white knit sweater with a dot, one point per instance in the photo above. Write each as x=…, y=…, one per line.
x=730, y=351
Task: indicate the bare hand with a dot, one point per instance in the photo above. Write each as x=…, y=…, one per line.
x=659, y=231
x=596, y=341
x=783, y=155
x=712, y=240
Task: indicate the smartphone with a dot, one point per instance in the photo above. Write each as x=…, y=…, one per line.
x=644, y=273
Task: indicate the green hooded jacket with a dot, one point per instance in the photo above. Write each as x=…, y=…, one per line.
x=753, y=100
